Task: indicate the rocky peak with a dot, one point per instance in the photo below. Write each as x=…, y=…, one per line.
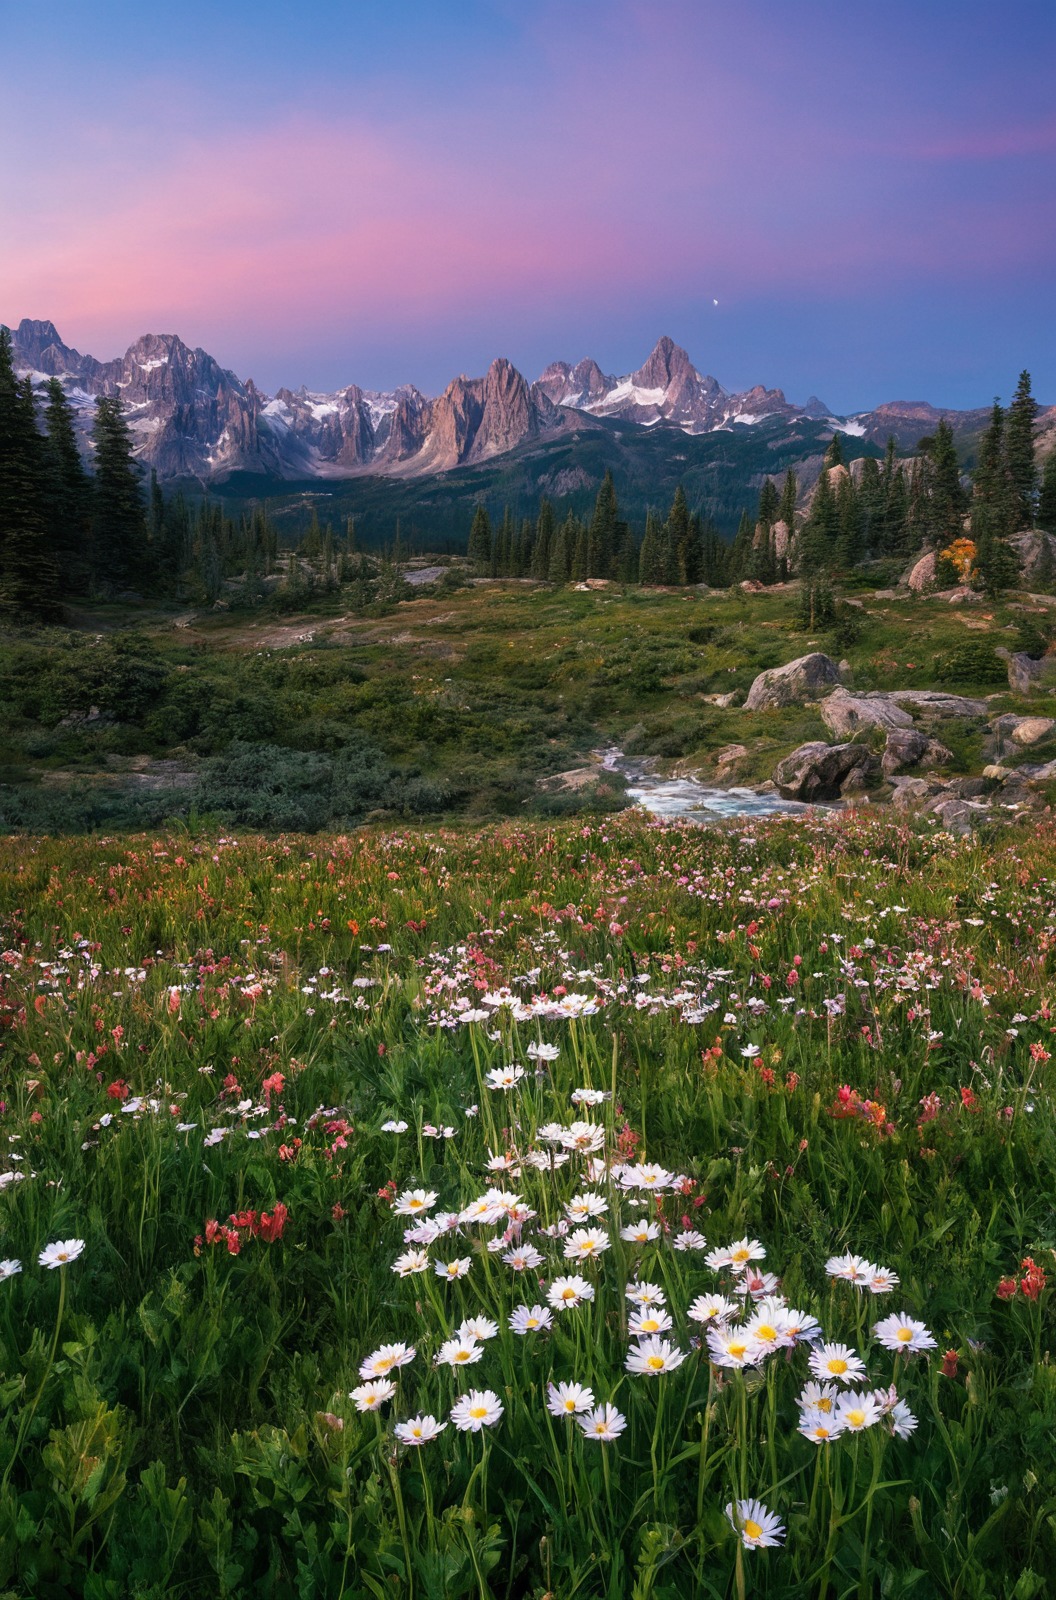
x=667, y=364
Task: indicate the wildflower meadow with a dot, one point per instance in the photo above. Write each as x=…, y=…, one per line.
x=607, y=1209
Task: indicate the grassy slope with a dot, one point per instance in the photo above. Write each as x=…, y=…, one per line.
x=487, y=689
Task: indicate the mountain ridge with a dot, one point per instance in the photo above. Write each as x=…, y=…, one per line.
x=191, y=418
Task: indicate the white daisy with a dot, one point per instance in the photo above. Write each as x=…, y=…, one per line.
x=480, y=1408
x=530, y=1319
x=653, y=1356
x=385, y=1359
x=904, y=1334
x=757, y=1527
x=604, y=1424
x=371, y=1396
x=564, y=1293
x=61, y=1253
x=836, y=1361
x=419, y=1430
x=566, y=1399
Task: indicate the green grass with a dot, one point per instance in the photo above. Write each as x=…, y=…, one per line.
x=846, y=1048
x=478, y=694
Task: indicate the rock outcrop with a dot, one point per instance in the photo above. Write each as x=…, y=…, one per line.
x=797, y=681
x=845, y=712
x=908, y=747
x=936, y=704
x=819, y=771
x=921, y=575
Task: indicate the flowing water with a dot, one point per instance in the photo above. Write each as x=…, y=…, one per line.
x=690, y=800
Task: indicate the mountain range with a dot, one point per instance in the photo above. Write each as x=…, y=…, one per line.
x=192, y=419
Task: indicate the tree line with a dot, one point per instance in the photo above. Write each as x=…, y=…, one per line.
x=899, y=508
x=684, y=548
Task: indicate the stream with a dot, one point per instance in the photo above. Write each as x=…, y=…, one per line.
x=692, y=801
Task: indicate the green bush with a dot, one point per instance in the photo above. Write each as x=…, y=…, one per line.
x=974, y=662
x=275, y=789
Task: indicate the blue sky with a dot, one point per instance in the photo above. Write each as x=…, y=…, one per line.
x=336, y=193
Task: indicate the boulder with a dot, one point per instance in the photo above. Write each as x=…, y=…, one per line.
x=908, y=747
x=797, y=681
x=1024, y=731
x=1027, y=673
x=922, y=574
x=723, y=701
x=937, y=703
x=1036, y=552
x=819, y=771
x=910, y=792
x=843, y=712
x=956, y=816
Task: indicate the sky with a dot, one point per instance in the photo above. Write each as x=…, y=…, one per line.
x=853, y=201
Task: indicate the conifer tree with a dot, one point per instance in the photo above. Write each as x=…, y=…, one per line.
x=544, y=537
x=601, y=542
x=478, y=551
x=996, y=563
x=948, y=499
x=849, y=543
x=834, y=454
x=67, y=493
x=1047, y=500
x=769, y=503
x=992, y=496
x=581, y=554
x=741, y=554
x=626, y=559
x=119, y=524
x=1019, y=454
x=683, y=538
x=29, y=577
x=817, y=540
x=786, y=510
x=561, y=548
x=652, y=566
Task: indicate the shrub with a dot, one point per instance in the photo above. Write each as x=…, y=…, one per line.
x=973, y=662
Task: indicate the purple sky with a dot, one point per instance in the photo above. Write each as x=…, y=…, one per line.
x=334, y=193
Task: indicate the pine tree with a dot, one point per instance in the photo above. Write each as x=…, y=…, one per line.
x=119, y=524
x=769, y=503
x=478, y=550
x=601, y=542
x=786, y=510
x=561, y=549
x=544, y=538
x=581, y=554
x=1047, y=500
x=820, y=532
x=67, y=493
x=834, y=454
x=948, y=499
x=992, y=504
x=1019, y=454
x=683, y=540
x=29, y=578
x=996, y=563
x=849, y=542
x=740, y=562
x=502, y=549
x=652, y=566
x=626, y=566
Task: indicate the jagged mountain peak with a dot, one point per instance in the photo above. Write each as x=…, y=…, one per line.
x=190, y=417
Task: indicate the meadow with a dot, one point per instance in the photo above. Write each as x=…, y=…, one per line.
x=722, y=1160
x=456, y=703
